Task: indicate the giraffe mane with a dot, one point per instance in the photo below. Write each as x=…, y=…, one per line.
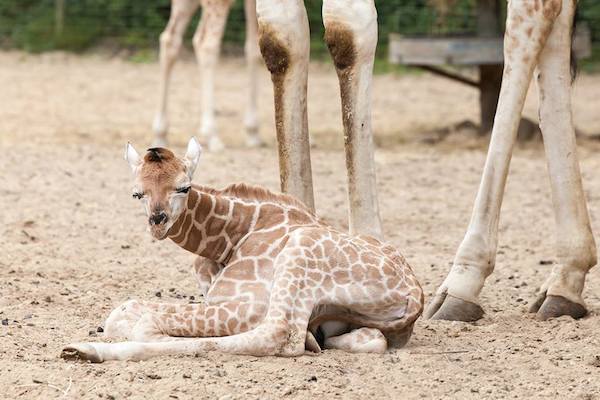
x=258, y=193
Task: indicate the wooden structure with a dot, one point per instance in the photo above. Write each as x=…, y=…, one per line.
x=483, y=51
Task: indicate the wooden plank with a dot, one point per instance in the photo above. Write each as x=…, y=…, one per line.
x=466, y=50
x=445, y=51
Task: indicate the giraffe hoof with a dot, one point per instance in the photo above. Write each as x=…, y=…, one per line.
x=450, y=308
x=81, y=352
x=311, y=343
x=557, y=306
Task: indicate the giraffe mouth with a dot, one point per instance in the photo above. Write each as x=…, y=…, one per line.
x=159, y=231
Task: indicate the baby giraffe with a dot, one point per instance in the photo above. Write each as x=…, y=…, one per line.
x=276, y=279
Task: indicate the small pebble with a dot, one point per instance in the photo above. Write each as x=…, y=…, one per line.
x=5, y=322
x=158, y=294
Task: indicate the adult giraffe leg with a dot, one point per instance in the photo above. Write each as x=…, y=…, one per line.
x=351, y=35
x=561, y=293
x=527, y=28
x=170, y=44
x=207, y=46
x=252, y=51
x=284, y=44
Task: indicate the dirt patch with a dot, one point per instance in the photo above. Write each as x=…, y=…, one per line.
x=74, y=245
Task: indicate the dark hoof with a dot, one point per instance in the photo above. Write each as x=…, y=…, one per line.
x=81, y=352
x=557, y=306
x=311, y=343
x=537, y=303
x=452, y=308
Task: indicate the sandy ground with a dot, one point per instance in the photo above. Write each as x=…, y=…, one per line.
x=73, y=242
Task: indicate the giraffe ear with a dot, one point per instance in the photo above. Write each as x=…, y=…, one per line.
x=132, y=157
x=192, y=156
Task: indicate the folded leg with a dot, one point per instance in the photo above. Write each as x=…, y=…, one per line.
x=363, y=340
x=147, y=321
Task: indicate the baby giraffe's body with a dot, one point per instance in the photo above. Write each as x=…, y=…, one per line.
x=275, y=277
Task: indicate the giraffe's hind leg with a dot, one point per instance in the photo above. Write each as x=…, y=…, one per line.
x=362, y=340
x=146, y=321
x=199, y=321
x=561, y=293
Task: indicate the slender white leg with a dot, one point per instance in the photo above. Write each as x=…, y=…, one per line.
x=284, y=44
x=561, y=293
x=252, y=59
x=527, y=29
x=170, y=44
x=207, y=45
x=351, y=35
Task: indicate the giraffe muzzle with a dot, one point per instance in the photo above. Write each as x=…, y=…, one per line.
x=158, y=218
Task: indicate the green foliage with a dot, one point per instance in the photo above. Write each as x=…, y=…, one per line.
x=136, y=24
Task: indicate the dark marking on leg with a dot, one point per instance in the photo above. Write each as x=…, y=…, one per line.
x=340, y=41
x=277, y=59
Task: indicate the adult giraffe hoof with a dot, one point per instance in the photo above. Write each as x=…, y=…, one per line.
x=557, y=306
x=450, y=308
x=81, y=352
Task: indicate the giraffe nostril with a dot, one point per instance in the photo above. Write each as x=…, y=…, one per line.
x=158, y=218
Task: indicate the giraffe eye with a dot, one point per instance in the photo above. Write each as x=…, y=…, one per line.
x=138, y=195
x=183, y=189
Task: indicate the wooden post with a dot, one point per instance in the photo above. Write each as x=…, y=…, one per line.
x=59, y=17
x=490, y=76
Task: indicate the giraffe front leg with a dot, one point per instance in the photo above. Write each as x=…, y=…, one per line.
x=561, y=293
x=206, y=271
x=351, y=35
x=527, y=30
x=207, y=46
x=170, y=44
x=284, y=44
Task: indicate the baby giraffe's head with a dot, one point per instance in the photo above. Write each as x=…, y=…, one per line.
x=162, y=181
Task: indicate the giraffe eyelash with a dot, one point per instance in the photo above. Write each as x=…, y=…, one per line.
x=138, y=195
x=183, y=189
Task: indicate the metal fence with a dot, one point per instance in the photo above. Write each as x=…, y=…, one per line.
x=40, y=25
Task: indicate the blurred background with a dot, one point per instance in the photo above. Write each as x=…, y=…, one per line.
x=101, y=55
x=78, y=25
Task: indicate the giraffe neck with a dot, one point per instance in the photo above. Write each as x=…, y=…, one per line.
x=212, y=224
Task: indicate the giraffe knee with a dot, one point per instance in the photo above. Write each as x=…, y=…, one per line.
x=146, y=329
x=122, y=319
x=274, y=51
x=340, y=42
